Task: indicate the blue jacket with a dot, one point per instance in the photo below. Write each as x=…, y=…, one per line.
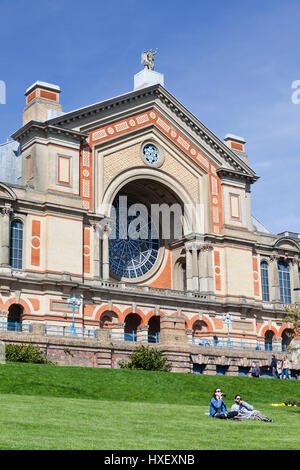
x=217, y=406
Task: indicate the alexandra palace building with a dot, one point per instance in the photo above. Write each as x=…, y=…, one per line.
x=64, y=174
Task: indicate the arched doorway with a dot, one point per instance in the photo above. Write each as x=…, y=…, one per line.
x=286, y=338
x=108, y=320
x=199, y=330
x=132, y=321
x=14, y=317
x=269, y=340
x=154, y=329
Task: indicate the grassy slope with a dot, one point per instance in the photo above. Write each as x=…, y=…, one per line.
x=49, y=407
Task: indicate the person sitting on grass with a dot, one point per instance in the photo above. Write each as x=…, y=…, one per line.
x=218, y=408
x=246, y=411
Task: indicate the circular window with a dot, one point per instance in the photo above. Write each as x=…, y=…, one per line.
x=151, y=153
x=129, y=256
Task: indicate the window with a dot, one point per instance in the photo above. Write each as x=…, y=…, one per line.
x=265, y=281
x=284, y=282
x=16, y=244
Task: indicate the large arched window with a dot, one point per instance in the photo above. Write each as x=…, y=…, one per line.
x=265, y=281
x=284, y=282
x=16, y=245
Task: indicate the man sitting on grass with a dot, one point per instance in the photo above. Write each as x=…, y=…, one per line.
x=246, y=411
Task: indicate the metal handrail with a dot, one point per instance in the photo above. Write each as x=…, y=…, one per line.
x=237, y=344
x=17, y=327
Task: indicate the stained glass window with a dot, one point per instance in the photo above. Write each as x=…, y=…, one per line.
x=132, y=257
x=151, y=153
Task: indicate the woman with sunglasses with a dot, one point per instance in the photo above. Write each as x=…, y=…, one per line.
x=218, y=408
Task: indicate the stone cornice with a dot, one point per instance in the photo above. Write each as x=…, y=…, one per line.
x=34, y=127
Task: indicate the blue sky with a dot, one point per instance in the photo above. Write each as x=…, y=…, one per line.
x=230, y=63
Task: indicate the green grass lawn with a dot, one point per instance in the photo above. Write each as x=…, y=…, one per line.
x=48, y=407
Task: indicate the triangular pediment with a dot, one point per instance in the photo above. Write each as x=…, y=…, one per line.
x=172, y=112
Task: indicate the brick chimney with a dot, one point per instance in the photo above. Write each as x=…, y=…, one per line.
x=42, y=102
x=237, y=144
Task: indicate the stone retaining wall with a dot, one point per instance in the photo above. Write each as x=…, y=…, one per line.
x=104, y=353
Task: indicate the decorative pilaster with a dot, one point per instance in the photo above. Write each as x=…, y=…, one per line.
x=105, y=253
x=295, y=279
x=189, y=268
x=206, y=283
x=5, y=235
x=274, y=279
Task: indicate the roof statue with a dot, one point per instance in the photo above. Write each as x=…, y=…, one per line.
x=148, y=58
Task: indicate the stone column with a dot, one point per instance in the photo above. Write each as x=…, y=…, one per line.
x=105, y=253
x=142, y=334
x=102, y=334
x=189, y=268
x=97, y=256
x=189, y=334
x=274, y=279
x=295, y=280
x=195, y=272
x=172, y=330
x=38, y=328
x=206, y=281
x=5, y=235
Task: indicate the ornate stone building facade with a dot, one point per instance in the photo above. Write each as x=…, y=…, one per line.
x=56, y=223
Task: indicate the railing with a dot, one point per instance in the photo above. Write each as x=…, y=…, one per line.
x=15, y=326
x=133, y=336
x=151, y=290
x=69, y=331
x=237, y=344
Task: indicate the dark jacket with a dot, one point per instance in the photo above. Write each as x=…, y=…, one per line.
x=273, y=363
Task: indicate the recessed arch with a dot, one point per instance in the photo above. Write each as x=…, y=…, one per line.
x=154, y=175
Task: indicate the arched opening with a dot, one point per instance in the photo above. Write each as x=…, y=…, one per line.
x=147, y=217
x=14, y=317
x=199, y=330
x=132, y=321
x=286, y=338
x=268, y=340
x=154, y=329
x=108, y=320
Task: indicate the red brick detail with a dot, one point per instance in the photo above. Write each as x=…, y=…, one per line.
x=236, y=146
x=48, y=95
x=35, y=243
x=31, y=97
x=255, y=276
x=164, y=280
x=153, y=118
x=86, y=250
x=86, y=176
x=35, y=303
x=22, y=302
x=217, y=270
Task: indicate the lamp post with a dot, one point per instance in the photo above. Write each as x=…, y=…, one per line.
x=75, y=304
x=228, y=319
